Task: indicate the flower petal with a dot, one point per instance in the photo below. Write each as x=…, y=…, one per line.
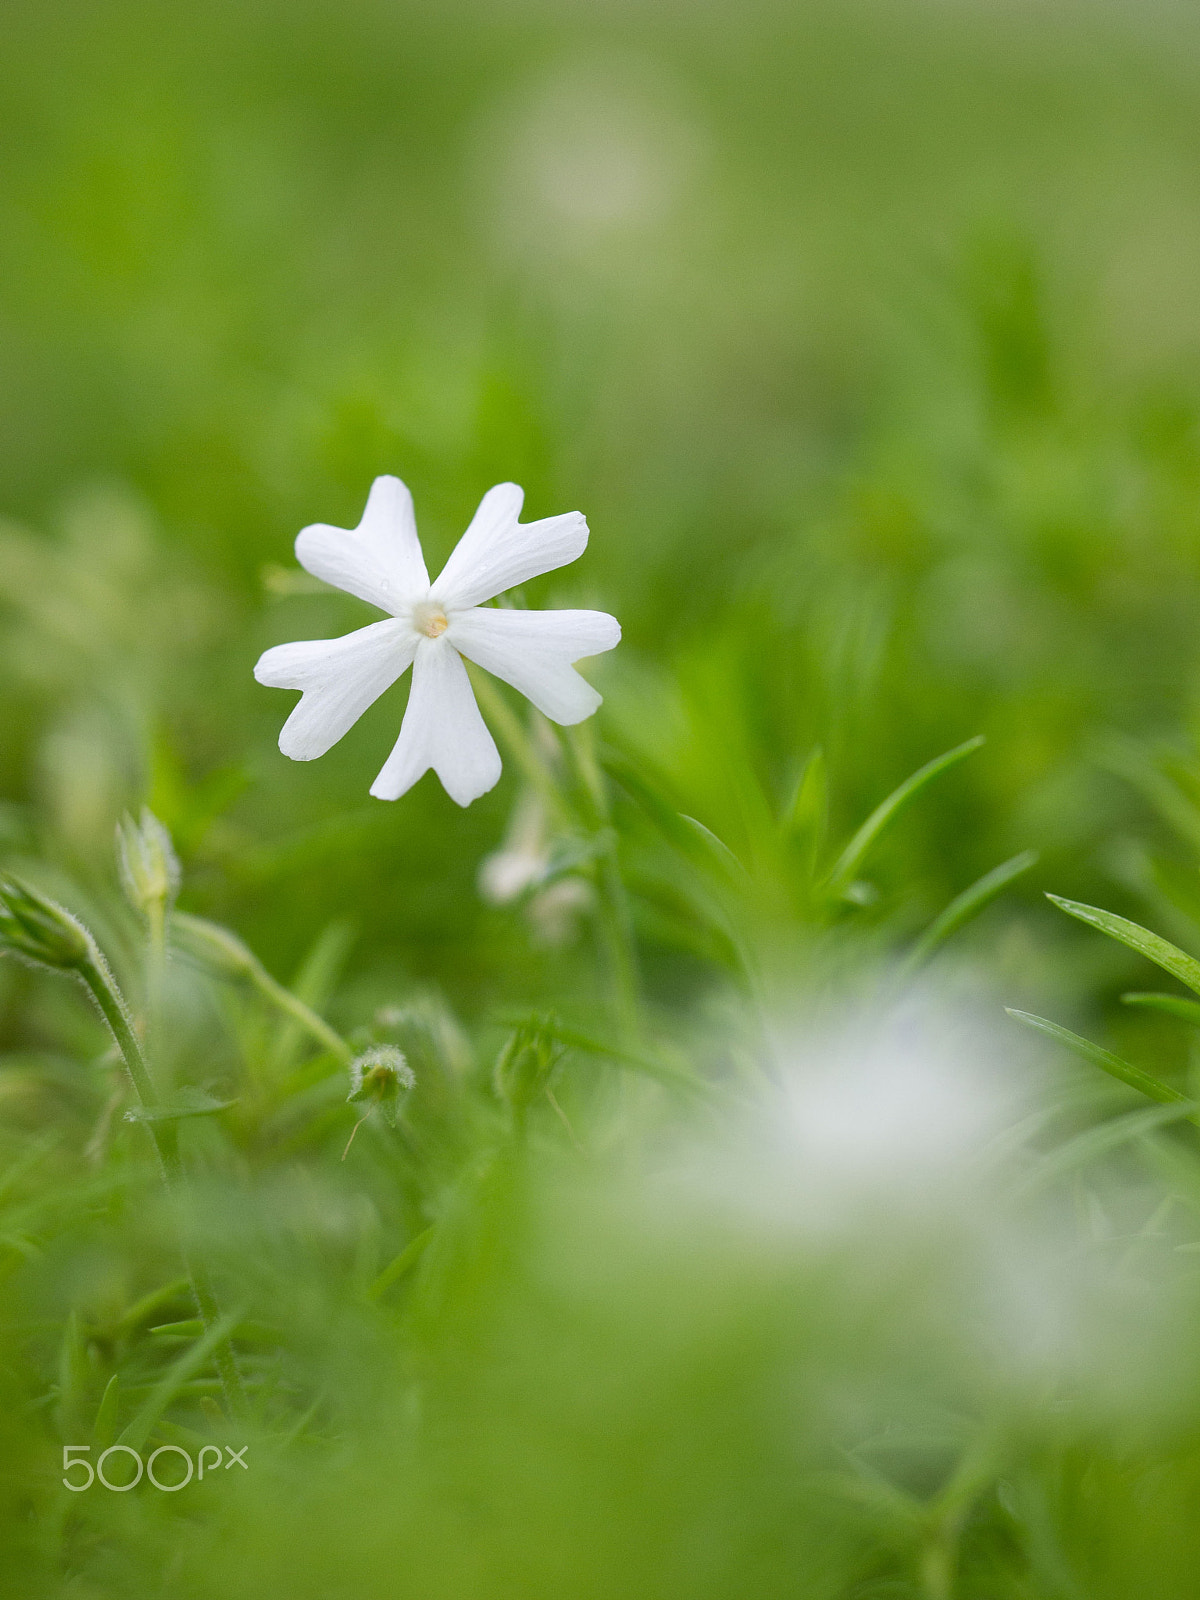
x=380, y=561
x=497, y=551
x=533, y=650
x=442, y=729
x=340, y=679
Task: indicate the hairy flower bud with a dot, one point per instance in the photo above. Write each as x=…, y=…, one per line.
x=39, y=929
x=148, y=863
x=380, y=1078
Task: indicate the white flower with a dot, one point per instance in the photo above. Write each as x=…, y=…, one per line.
x=523, y=860
x=430, y=627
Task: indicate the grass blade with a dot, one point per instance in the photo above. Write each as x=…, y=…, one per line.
x=1116, y=1066
x=846, y=867
x=970, y=903
x=1102, y=1140
x=175, y=1379
x=400, y=1264
x=1164, y=954
x=1174, y=1005
x=807, y=816
x=105, y=1424
x=716, y=847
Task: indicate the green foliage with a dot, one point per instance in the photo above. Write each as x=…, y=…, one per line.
x=476, y=1169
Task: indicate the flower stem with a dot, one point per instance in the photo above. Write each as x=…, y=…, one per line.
x=514, y=736
x=156, y=976
x=100, y=982
x=615, y=919
x=292, y=1005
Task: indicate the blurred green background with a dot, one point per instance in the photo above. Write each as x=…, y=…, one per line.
x=867, y=336
x=864, y=335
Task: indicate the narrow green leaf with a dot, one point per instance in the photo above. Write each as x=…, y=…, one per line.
x=191, y=1103
x=1099, y=1141
x=807, y=816
x=676, y=1077
x=715, y=846
x=192, y=1328
x=1164, y=954
x=105, y=1425
x=73, y=1376
x=970, y=903
x=1114, y=1065
x=847, y=866
x=142, y=1310
x=400, y=1264
x=175, y=1380
x=1174, y=1005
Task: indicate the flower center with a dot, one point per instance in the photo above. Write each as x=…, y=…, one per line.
x=429, y=619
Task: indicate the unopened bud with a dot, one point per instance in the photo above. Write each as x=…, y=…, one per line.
x=526, y=1063
x=39, y=929
x=148, y=863
x=380, y=1079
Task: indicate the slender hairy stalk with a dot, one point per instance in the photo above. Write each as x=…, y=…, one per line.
x=228, y=955
x=295, y=1008
x=107, y=996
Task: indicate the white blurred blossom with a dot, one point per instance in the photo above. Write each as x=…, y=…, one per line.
x=521, y=868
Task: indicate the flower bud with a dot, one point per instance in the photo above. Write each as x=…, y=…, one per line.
x=148, y=863
x=39, y=929
x=380, y=1078
x=526, y=1063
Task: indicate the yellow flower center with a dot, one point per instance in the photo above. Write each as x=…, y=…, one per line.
x=429, y=619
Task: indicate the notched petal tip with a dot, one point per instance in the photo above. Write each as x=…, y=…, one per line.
x=587, y=701
x=607, y=634
x=271, y=668
x=297, y=749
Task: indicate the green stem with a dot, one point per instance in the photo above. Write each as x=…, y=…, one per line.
x=156, y=976
x=615, y=920
x=614, y=917
x=295, y=1008
x=615, y=923
x=517, y=741
x=107, y=996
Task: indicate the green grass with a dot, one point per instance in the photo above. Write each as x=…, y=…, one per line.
x=702, y=1260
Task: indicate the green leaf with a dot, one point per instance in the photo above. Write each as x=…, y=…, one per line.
x=676, y=1077
x=716, y=847
x=1174, y=1005
x=73, y=1379
x=191, y=1103
x=177, y=1377
x=690, y=837
x=970, y=903
x=401, y=1264
x=1164, y=954
x=105, y=1425
x=142, y=1310
x=1114, y=1065
x=245, y=1332
x=1093, y=1143
x=806, y=819
x=847, y=866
